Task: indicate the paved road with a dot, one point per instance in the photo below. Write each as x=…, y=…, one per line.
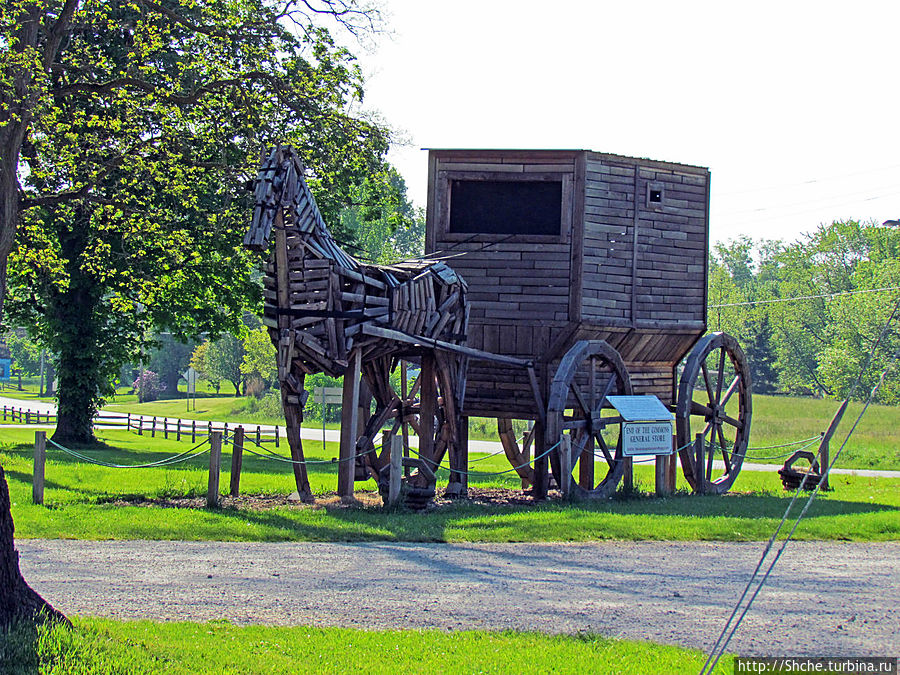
x=828, y=598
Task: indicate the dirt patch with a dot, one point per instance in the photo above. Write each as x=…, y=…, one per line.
x=478, y=496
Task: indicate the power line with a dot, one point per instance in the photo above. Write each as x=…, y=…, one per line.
x=805, y=297
x=811, y=181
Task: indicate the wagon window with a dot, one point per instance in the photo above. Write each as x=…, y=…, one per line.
x=506, y=207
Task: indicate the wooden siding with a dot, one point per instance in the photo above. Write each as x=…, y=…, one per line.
x=533, y=297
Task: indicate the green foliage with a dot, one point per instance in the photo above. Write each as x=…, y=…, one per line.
x=170, y=359
x=25, y=353
x=259, y=357
x=818, y=344
x=385, y=226
x=139, y=126
x=223, y=360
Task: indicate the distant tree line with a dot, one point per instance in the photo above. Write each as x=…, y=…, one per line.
x=809, y=313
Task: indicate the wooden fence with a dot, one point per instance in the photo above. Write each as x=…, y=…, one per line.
x=144, y=425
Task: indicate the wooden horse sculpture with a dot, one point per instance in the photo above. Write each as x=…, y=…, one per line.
x=328, y=312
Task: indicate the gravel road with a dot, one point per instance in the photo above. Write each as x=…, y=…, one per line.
x=827, y=598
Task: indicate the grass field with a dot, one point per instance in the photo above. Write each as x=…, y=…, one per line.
x=87, y=501
x=100, y=646
x=776, y=420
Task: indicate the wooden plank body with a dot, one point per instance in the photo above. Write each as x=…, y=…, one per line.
x=628, y=265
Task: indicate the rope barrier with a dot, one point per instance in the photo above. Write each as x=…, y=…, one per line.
x=175, y=459
x=273, y=457
x=438, y=465
x=787, y=445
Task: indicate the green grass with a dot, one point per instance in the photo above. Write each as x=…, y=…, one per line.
x=102, y=646
x=776, y=420
x=874, y=445
x=87, y=501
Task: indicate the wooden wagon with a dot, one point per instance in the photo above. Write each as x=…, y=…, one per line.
x=594, y=267
x=552, y=280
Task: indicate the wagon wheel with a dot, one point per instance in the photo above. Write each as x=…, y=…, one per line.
x=588, y=373
x=518, y=457
x=714, y=398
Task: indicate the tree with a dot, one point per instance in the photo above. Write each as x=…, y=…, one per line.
x=198, y=363
x=737, y=285
x=170, y=359
x=150, y=121
x=259, y=357
x=383, y=223
x=90, y=91
x=223, y=360
x=25, y=353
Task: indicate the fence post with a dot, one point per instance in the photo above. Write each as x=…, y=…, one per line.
x=565, y=466
x=209, y=428
x=178, y=431
x=396, y=470
x=153, y=429
x=276, y=435
x=215, y=463
x=40, y=452
x=258, y=436
x=662, y=474
x=237, y=457
x=127, y=421
x=699, y=464
x=193, y=431
x=141, y=425
x=4, y=413
x=225, y=432
x=166, y=427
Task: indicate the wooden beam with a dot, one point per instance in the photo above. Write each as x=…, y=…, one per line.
x=349, y=425
x=427, y=407
x=476, y=354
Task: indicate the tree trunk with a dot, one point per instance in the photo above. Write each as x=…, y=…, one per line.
x=17, y=599
x=170, y=384
x=75, y=336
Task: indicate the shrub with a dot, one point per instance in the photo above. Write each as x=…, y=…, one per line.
x=147, y=386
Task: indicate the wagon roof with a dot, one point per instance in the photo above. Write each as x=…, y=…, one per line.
x=567, y=151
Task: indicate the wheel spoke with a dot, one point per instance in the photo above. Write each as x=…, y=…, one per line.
x=709, y=389
x=580, y=397
x=604, y=449
x=709, y=462
x=737, y=424
x=698, y=408
x=720, y=376
x=607, y=390
x=731, y=389
x=725, y=456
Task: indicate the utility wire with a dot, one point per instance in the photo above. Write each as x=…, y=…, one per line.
x=805, y=297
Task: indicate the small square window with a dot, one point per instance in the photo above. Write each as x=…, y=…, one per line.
x=656, y=195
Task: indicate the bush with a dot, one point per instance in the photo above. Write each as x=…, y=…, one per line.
x=147, y=386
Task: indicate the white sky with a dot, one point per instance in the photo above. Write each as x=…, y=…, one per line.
x=794, y=106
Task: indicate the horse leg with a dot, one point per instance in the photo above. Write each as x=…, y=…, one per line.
x=292, y=403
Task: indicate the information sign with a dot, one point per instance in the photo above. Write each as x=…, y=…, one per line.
x=647, y=438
